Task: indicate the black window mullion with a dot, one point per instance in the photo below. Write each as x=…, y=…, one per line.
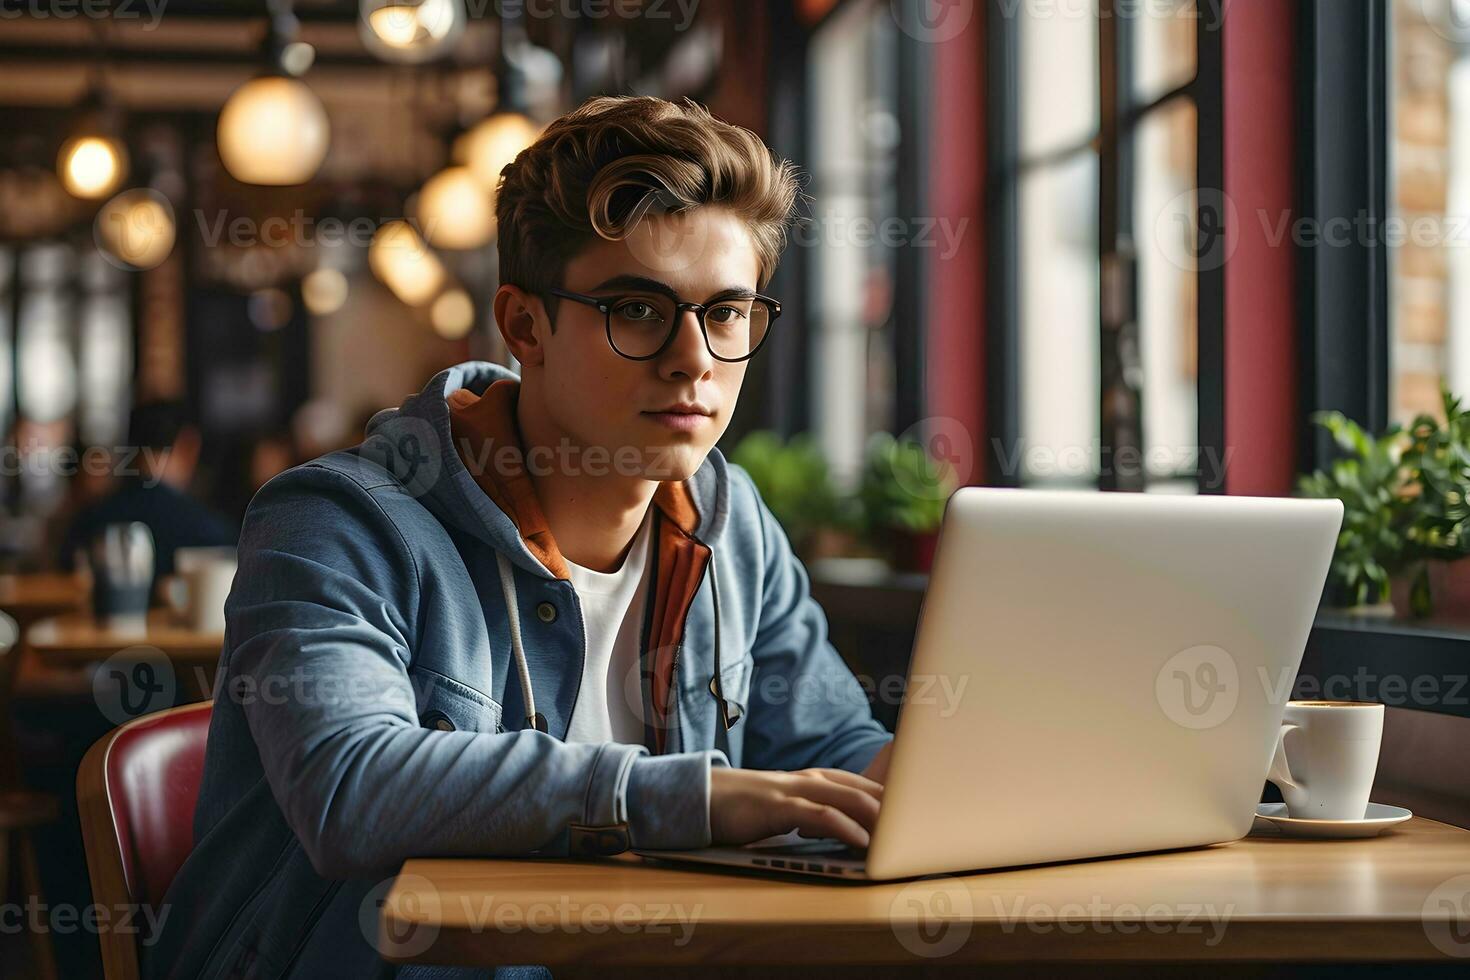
x=1121, y=401
x=1210, y=245
x=1343, y=289
x=1003, y=226
x=910, y=293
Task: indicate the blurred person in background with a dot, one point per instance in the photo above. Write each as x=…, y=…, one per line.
x=153, y=485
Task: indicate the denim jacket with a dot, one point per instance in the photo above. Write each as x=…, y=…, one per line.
x=396, y=615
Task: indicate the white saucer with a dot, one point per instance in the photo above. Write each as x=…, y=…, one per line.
x=1380, y=817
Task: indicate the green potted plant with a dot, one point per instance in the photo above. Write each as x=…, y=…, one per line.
x=903, y=493
x=1370, y=480
x=1437, y=467
x=794, y=480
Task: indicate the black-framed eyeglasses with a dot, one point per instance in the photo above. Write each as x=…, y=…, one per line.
x=641, y=326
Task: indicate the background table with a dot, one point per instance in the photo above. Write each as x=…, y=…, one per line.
x=1404, y=896
x=78, y=638
x=30, y=595
x=77, y=641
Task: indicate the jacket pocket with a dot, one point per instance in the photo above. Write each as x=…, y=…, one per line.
x=447, y=705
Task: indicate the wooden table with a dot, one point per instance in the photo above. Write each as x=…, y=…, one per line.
x=75, y=638
x=1404, y=896
x=76, y=642
x=30, y=595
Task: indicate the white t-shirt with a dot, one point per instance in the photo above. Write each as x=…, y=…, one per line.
x=612, y=608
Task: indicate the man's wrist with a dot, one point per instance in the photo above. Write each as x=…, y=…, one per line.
x=669, y=798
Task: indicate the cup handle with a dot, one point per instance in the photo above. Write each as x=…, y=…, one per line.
x=173, y=592
x=1294, y=793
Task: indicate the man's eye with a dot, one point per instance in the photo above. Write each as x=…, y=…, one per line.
x=638, y=310
x=724, y=315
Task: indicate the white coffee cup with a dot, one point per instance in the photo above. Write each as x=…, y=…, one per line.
x=1326, y=758
x=202, y=583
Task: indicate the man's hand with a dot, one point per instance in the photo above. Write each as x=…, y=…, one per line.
x=749, y=804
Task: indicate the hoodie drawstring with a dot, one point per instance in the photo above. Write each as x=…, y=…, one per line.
x=727, y=720
x=729, y=713
x=534, y=719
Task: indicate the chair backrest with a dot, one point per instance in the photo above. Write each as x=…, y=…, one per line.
x=136, y=792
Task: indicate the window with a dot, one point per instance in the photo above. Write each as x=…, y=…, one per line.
x=1095, y=296
x=1429, y=201
x=863, y=130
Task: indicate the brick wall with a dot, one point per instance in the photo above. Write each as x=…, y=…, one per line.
x=1419, y=194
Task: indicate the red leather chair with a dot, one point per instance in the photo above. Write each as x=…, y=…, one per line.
x=136, y=793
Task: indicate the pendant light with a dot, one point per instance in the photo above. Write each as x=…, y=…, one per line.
x=455, y=211
x=403, y=263
x=410, y=31
x=497, y=139
x=93, y=161
x=136, y=229
x=273, y=130
x=453, y=314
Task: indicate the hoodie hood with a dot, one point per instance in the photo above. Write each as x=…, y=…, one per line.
x=417, y=444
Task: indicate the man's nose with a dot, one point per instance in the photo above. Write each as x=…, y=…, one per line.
x=687, y=354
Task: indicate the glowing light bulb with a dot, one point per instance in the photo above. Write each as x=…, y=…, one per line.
x=453, y=314
x=493, y=143
x=403, y=263
x=136, y=229
x=454, y=211
x=273, y=130
x=92, y=166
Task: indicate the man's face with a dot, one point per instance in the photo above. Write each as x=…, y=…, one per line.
x=597, y=397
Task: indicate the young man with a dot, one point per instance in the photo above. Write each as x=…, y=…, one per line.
x=534, y=614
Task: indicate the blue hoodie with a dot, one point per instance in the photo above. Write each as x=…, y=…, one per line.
x=402, y=654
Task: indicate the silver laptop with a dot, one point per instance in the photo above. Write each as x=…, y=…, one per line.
x=1094, y=674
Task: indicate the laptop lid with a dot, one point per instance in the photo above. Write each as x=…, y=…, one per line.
x=1097, y=674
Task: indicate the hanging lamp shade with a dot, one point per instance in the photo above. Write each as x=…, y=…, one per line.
x=273, y=130
x=410, y=31
x=453, y=314
x=493, y=143
x=403, y=263
x=454, y=211
x=136, y=228
x=92, y=165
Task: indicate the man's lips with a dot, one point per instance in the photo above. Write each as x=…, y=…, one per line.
x=679, y=421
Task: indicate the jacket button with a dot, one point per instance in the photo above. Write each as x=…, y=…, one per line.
x=546, y=612
x=444, y=725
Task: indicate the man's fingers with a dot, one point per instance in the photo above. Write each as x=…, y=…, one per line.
x=856, y=803
x=814, y=819
x=853, y=779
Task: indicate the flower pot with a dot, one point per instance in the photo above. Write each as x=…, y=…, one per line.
x=1449, y=588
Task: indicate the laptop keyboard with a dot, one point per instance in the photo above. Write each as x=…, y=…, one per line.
x=824, y=846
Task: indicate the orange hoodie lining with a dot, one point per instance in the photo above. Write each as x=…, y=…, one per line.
x=681, y=565
x=482, y=426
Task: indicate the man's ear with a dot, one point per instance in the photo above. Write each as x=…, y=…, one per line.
x=516, y=313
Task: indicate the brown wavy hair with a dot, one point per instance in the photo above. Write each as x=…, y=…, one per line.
x=596, y=171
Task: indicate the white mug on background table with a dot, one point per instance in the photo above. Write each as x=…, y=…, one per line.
x=199, y=586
